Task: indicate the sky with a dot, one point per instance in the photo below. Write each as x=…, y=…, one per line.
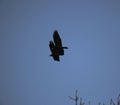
x=91, y=65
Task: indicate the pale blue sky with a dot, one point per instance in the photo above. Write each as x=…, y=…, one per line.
x=91, y=30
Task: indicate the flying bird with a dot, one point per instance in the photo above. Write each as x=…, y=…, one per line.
x=56, y=47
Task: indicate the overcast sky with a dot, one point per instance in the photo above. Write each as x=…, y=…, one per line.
x=91, y=30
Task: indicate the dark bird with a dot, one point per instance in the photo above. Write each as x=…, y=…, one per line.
x=56, y=47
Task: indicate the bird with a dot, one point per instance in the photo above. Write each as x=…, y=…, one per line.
x=56, y=47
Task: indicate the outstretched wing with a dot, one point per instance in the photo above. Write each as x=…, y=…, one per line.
x=53, y=51
x=52, y=46
x=57, y=39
